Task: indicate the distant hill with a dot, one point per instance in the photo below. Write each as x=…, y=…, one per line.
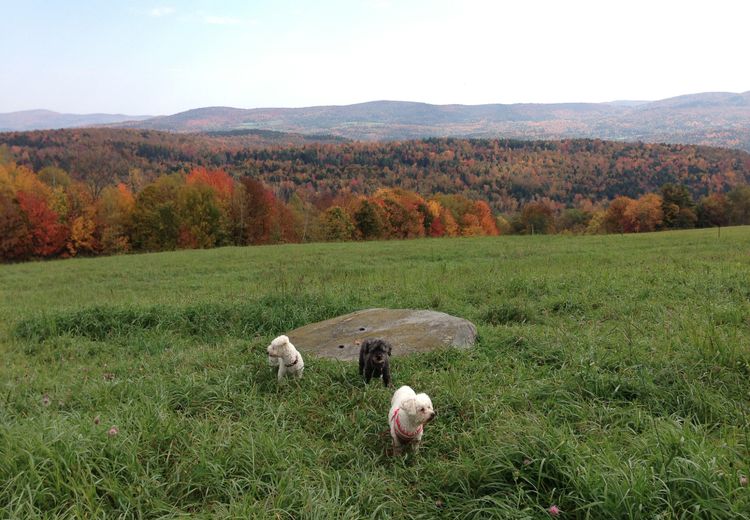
x=47, y=119
x=714, y=118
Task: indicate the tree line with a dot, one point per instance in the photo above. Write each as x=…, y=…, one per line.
x=48, y=214
x=505, y=173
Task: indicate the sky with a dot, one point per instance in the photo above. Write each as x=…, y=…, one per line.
x=144, y=57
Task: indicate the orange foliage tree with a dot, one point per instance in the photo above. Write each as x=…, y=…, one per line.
x=615, y=220
x=404, y=212
x=645, y=214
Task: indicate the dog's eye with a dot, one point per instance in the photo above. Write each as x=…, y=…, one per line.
x=421, y=409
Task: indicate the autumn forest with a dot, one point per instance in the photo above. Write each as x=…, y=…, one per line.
x=106, y=191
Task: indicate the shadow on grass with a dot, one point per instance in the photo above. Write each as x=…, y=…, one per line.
x=268, y=315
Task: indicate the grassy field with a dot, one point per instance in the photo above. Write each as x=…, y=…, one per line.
x=611, y=378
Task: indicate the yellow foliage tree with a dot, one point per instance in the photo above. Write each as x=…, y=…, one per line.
x=81, y=236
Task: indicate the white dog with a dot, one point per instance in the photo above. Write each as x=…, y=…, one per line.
x=286, y=356
x=273, y=362
x=407, y=417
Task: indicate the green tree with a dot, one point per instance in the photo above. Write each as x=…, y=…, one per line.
x=574, y=220
x=712, y=211
x=336, y=225
x=200, y=217
x=54, y=177
x=368, y=220
x=155, y=219
x=739, y=205
x=678, y=208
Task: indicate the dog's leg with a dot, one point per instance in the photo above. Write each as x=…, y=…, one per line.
x=280, y=375
x=397, y=447
x=361, y=365
x=368, y=373
x=387, y=375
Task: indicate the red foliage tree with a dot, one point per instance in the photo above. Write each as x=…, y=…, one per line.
x=48, y=235
x=255, y=214
x=15, y=239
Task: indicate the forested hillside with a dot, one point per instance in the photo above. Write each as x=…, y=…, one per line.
x=352, y=191
x=505, y=173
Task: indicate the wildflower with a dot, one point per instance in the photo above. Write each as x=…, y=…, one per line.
x=46, y=400
x=113, y=431
x=553, y=510
x=96, y=420
x=743, y=481
x=526, y=461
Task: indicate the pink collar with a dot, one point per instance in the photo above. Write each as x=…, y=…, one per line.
x=402, y=434
x=296, y=358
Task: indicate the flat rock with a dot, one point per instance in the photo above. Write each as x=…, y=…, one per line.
x=408, y=330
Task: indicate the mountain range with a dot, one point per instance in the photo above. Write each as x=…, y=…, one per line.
x=713, y=118
x=47, y=120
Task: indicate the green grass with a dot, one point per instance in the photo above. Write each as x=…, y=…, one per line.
x=611, y=378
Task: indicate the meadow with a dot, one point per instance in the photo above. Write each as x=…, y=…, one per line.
x=610, y=379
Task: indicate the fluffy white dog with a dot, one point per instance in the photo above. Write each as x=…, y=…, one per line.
x=407, y=417
x=286, y=356
x=273, y=362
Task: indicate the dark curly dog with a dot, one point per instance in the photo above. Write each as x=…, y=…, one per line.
x=373, y=360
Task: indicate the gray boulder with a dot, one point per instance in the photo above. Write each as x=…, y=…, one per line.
x=408, y=330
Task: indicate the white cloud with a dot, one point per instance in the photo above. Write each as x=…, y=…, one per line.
x=161, y=11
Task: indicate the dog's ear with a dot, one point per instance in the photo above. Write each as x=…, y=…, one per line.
x=388, y=348
x=366, y=346
x=410, y=405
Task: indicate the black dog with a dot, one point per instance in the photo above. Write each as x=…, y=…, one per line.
x=373, y=360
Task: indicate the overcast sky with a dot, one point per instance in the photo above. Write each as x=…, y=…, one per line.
x=154, y=57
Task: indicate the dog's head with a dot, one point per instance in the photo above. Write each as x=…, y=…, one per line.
x=376, y=350
x=419, y=408
x=279, y=346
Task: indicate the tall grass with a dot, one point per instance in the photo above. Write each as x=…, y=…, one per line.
x=610, y=378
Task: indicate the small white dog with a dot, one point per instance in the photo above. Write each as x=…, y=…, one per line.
x=286, y=357
x=407, y=417
x=273, y=362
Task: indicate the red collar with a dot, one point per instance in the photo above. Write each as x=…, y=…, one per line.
x=295, y=362
x=402, y=434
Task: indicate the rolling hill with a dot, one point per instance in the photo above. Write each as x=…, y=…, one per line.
x=715, y=119
x=711, y=118
x=47, y=119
